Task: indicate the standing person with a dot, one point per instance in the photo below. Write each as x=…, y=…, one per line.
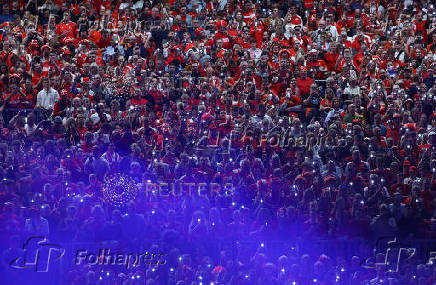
x=47, y=97
x=66, y=28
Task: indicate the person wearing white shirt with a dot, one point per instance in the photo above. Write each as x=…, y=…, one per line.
x=331, y=27
x=30, y=125
x=255, y=53
x=352, y=88
x=47, y=97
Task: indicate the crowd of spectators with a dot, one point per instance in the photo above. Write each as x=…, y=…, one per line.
x=321, y=115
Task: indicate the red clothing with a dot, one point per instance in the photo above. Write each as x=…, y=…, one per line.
x=393, y=133
x=14, y=101
x=140, y=101
x=67, y=29
x=330, y=59
x=420, y=27
x=227, y=44
x=303, y=85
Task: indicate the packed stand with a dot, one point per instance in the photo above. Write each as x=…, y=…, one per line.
x=321, y=115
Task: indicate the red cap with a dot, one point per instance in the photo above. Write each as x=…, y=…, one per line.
x=293, y=116
x=206, y=116
x=406, y=163
x=410, y=126
x=218, y=269
x=221, y=23
x=34, y=43
x=14, y=75
x=282, y=51
x=5, y=131
x=308, y=174
x=300, y=179
x=45, y=46
x=330, y=179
